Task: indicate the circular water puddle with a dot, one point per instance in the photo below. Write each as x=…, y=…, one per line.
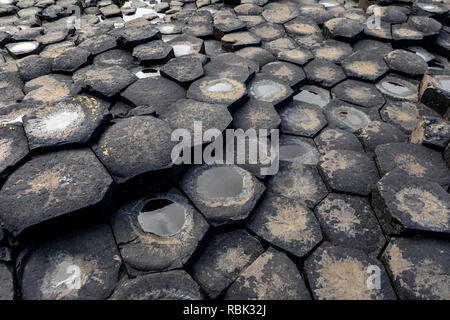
x=162, y=217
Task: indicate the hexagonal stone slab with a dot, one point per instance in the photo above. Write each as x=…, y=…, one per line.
x=72, y=121
x=273, y=276
x=435, y=90
x=350, y=222
x=99, y=44
x=218, y=90
x=287, y=224
x=51, y=186
x=416, y=160
x=302, y=119
x=269, y=89
x=70, y=60
x=343, y=29
x=396, y=87
x=419, y=267
x=238, y=40
x=259, y=55
x=286, y=72
x=278, y=45
x=406, y=62
x=158, y=93
x=348, y=171
x=158, y=233
x=339, y=273
x=131, y=36
x=115, y=57
x=225, y=257
x=71, y=267
x=300, y=56
x=257, y=115
x=407, y=204
x=106, y=82
x=432, y=132
x=379, y=132
x=332, y=50
x=324, y=73
x=301, y=26
x=331, y=139
x=134, y=146
x=183, y=113
x=33, y=66
x=153, y=52
x=7, y=283
x=223, y=193
x=220, y=69
x=347, y=116
x=373, y=46
x=365, y=65
x=268, y=31
x=359, y=93
x=172, y=285
x=405, y=34
x=199, y=29
x=298, y=149
x=186, y=44
x=299, y=182
x=183, y=70
x=279, y=13
x=226, y=23
x=13, y=147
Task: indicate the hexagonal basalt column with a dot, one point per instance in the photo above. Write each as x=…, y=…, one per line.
x=13, y=147
x=223, y=193
x=273, y=276
x=302, y=119
x=406, y=204
x=83, y=265
x=224, y=259
x=432, y=132
x=435, y=90
x=287, y=224
x=52, y=186
x=171, y=285
x=159, y=233
x=339, y=273
x=269, y=89
x=359, y=93
x=419, y=267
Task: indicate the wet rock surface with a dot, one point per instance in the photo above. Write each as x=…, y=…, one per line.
x=88, y=107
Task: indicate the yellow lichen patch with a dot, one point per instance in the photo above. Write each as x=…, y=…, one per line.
x=410, y=164
x=342, y=279
x=232, y=260
x=341, y=215
x=335, y=161
x=423, y=207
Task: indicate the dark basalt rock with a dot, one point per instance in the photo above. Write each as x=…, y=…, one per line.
x=406, y=204
x=227, y=23
x=115, y=57
x=435, y=90
x=199, y=29
x=359, y=93
x=70, y=60
x=225, y=257
x=248, y=9
x=71, y=267
x=343, y=29
x=324, y=73
x=172, y=285
x=422, y=274
x=279, y=13
x=340, y=273
x=287, y=224
x=332, y=50
x=186, y=44
x=7, y=290
x=347, y=116
x=99, y=44
x=71, y=121
x=106, y=82
x=313, y=95
x=231, y=61
x=298, y=149
x=416, y=160
x=337, y=139
x=269, y=89
x=286, y=72
x=280, y=45
x=158, y=93
x=302, y=27
x=300, y=56
x=33, y=66
x=273, y=276
x=432, y=132
x=298, y=182
x=49, y=89
x=132, y=36
x=405, y=34
x=428, y=26
x=159, y=233
x=348, y=171
x=135, y=146
x=373, y=46
x=379, y=132
x=223, y=193
x=406, y=62
x=153, y=52
x=268, y=31
x=396, y=87
x=51, y=186
x=183, y=70
x=13, y=146
x=212, y=89
x=302, y=119
x=258, y=55
x=257, y=115
x=238, y=40
x=350, y=222
x=365, y=65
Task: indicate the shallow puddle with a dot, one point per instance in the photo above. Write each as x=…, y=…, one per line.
x=311, y=98
x=23, y=47
x=396, y=88
x=220, y=182
x=162, y=217
x=266, y=90
x=220, y=87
